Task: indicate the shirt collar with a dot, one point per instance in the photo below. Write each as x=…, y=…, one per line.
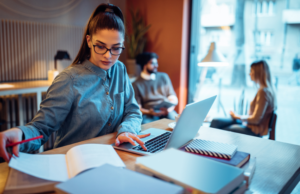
x=145, y=76
x=100, y=72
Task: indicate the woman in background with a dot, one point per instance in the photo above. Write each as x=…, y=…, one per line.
x=92, y=97
x=261, y=108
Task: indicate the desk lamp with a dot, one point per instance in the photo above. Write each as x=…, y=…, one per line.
x=59, y=56
x=212, y=59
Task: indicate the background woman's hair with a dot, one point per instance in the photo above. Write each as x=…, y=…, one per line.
x=262, y=75
x=143, y=58
x=105, y=16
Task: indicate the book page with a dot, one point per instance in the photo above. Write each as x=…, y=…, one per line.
x=50, y=167
x=83, y=157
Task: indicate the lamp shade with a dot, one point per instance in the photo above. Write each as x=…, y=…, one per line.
x=213, y=58
x=59, y=56
x=62, y=55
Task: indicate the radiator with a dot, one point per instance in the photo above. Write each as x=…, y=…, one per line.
x=10, y=115
x=27, y=49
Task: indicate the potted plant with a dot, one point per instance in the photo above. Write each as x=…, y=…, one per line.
x=136, y=41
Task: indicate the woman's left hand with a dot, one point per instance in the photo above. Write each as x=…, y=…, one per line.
x=130, y=137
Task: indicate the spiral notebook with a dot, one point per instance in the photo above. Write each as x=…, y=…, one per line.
x=211, y=148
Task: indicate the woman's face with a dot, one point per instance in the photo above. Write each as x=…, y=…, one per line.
x=110, y=39
x=252, y=74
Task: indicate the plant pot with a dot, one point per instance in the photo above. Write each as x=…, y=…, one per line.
x=133, y=70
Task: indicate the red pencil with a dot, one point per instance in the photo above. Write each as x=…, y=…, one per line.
x=27, y=140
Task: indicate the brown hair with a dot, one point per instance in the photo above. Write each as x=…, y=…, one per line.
x=105, y=16
x=262, y=75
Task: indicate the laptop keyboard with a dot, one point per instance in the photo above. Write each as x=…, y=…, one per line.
x=156, y=144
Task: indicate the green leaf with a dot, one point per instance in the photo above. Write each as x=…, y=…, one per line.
x=136, y=40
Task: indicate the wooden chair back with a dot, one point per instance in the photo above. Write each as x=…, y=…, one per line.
x=272, y=125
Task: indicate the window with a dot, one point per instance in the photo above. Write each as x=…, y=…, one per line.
x=264, y=7
x=263, y=38
x=232, y=82
x=271, y=8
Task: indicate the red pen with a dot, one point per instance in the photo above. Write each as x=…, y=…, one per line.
x=27, y=140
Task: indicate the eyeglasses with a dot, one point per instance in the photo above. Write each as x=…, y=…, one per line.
x=102, y=50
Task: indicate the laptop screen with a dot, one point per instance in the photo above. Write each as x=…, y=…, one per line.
x=189, y=122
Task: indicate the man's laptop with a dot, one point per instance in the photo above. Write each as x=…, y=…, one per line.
x=185, y=130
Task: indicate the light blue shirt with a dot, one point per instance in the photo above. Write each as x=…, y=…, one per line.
x=83, y=102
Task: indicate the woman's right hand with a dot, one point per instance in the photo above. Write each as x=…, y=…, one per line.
x=10, y=136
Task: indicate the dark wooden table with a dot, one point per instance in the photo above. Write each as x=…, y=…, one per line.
x=277, y=164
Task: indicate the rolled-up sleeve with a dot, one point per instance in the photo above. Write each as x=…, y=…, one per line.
x=53, y=111
x=132, y=117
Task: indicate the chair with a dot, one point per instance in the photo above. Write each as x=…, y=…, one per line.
x=272, y=125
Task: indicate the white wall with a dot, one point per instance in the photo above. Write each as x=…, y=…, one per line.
x=65, y=12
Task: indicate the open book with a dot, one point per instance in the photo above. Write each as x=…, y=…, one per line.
x=60, y=167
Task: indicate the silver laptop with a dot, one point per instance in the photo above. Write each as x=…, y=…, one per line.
x=185, y=130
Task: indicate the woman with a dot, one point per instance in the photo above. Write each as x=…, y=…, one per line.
x=261, y=108
x=92, y=97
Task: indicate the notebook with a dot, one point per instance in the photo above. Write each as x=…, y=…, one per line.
x=249, y=170
x=239, y=159
x=196, y=174
x=211, y=148
x=240, y=189
x=110, y=179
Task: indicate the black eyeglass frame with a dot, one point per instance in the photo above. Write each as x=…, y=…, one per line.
x=108, y=50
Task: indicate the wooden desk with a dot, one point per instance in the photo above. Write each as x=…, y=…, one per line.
x=277, y=164
x=20, y=88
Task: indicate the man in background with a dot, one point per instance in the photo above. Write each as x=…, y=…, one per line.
x=153, y=88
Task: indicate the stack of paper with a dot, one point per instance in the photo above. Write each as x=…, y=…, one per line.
x=110, y=179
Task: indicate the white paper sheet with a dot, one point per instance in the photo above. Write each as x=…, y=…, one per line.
x=50, y=167
x=88, y=156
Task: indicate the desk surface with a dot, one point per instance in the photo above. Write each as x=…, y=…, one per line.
x=23, y=87
x=277, y=164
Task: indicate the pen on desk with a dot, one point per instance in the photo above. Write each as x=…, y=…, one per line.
x=27, y=140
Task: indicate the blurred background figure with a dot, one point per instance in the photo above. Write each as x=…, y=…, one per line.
x=261, y=108
x=152, y=88
x=296, y=70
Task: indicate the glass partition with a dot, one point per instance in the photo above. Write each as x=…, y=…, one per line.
x=244, y=32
